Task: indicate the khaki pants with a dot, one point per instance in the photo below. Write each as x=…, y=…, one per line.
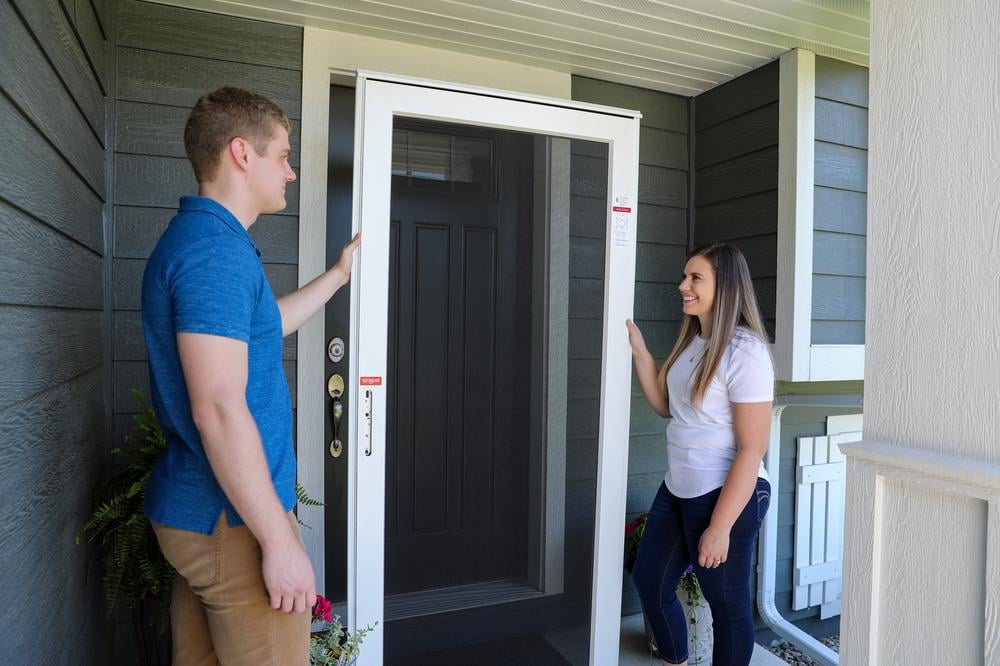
x=220, y=611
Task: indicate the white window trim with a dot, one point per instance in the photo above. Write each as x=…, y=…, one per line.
x=796, y=358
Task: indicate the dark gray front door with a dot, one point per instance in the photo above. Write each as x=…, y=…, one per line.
x=459, y=302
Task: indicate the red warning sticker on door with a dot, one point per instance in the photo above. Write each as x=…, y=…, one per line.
x=371, y=381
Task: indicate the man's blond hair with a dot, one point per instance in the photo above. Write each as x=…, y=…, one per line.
x=222, y=115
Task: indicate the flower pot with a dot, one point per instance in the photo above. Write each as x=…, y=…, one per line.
x=700, y=641
x=699, y=616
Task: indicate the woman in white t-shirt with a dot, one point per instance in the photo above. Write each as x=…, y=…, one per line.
x=717, y=385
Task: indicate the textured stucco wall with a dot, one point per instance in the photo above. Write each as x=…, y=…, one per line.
x=933, y=325
x=921, y=571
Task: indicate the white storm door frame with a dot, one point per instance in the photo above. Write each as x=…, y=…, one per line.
x=380, y=98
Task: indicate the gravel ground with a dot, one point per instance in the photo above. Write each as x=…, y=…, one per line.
x=791, y=654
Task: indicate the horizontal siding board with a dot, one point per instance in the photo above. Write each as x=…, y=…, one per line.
x=753, y=215
x=739, y=177
x=841, y=81
x=838, y=298
x=128, y=281
x=645, y=421
x=582, y=419
x=42, y=428
x=583, y=463
x=740, y=95
x=42, y=267
x=842, y=167
x=588, y=216
x=586, y=298
x=95, y=46
x=662, y=187
x=73, y=208
x=656, y=223
x=662, y=224
x=586, y=258
x=29, y=80
x=583, y=379
x=588, y=177
x=841, y=123
x=838, y=332
x=161, y=181
x=659, y=336
x=663, y=148
x=838, y=254
x=840, y=210
x=104, y=9
x=766, y=292
x=158, y=28
x=656, y=301
x=50, y=469
x=51, y=27
x=179, y=80
x=586, y=339
x=58, y=345
x=597, y=149
x=746, y=133
x=647, y=454
x=659, y=263
x=659, y=110
x=761, y=253
x=137, y=229
x=154, y=129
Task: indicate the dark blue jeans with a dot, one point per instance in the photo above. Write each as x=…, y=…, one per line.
x=669, y=544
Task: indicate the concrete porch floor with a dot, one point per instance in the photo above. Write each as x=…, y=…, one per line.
x=633, y=650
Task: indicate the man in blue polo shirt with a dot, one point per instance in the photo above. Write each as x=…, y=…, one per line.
x=220, y=498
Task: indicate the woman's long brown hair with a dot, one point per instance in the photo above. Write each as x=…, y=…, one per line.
x=735, y=305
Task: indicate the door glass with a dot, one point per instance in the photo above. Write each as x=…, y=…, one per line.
x=448, y=160
x=493, y=389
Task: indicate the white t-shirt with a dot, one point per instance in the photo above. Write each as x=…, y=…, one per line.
x=701, y=444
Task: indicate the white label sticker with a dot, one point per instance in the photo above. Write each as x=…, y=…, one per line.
x=621, y=213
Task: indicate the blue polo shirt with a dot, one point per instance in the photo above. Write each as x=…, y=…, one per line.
x=205, y=276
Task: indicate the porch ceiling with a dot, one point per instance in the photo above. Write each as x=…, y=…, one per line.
x=679, y=46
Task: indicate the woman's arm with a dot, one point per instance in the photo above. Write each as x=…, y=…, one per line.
x=752, y=428
x=645, y=369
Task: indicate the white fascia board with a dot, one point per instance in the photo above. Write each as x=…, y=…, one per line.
x=796, y=155
x=828, y=363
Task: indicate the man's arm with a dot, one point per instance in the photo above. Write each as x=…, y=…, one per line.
x=215, y=371
x=298, y=306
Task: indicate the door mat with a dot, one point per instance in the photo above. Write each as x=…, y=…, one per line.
x=531, y=650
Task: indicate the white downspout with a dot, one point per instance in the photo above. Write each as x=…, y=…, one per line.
x=767, y=559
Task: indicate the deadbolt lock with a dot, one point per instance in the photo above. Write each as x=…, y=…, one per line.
x=335, y=350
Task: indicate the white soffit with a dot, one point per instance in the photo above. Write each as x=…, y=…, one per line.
x=682, y=46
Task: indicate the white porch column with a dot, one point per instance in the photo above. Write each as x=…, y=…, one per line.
x=922, y=551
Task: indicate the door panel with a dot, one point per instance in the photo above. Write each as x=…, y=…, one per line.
x=456, y=477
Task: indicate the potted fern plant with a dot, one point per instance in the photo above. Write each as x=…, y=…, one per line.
x=136, y=574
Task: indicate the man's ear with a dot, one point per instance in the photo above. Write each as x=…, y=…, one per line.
x=239, y=150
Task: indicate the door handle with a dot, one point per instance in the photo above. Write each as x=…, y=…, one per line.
x=335, y=387
x=336, y=412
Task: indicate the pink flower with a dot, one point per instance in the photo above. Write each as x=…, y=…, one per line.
x=323, y=609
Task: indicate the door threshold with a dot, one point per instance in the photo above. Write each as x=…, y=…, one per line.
x=458, y=597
